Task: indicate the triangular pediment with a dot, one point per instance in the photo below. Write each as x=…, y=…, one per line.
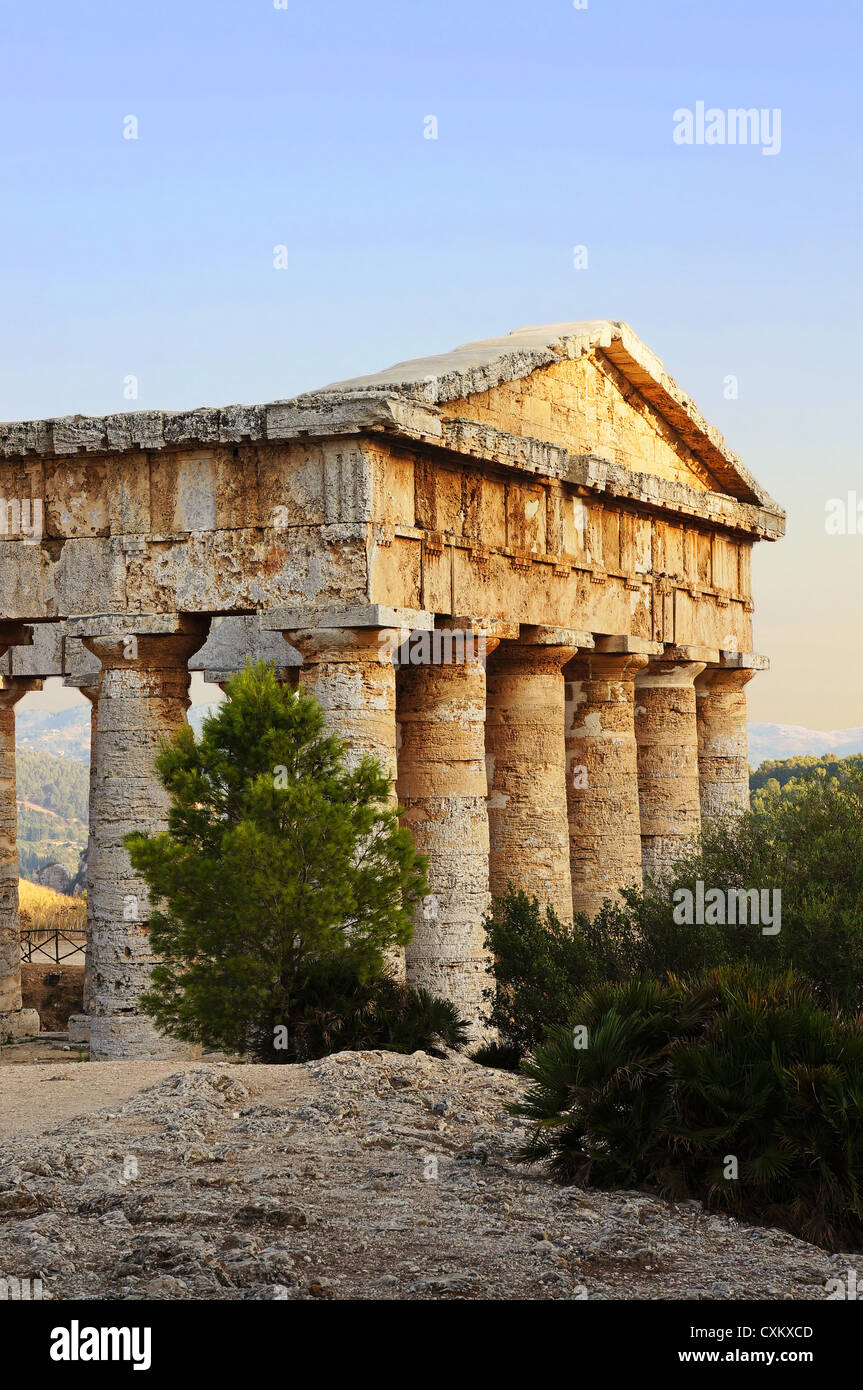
x=591, y=388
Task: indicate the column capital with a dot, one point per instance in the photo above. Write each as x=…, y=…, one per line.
x=134, y=649
x=538, y=655
x=723, y=678
x=374, y=645
x=606, y=666
x=669, y=671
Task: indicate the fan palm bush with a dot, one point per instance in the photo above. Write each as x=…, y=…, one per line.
x=734, y=1087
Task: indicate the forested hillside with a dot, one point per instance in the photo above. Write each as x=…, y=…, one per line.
x=52, y=810
x=58, y=784
x=786, y=774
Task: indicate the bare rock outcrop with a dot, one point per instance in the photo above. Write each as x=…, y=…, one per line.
x=365, y=1175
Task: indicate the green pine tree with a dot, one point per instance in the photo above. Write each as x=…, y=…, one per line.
x=280, y=865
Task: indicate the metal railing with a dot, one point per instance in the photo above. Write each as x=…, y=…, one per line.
x=45, y=944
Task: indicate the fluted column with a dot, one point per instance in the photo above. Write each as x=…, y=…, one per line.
x=143, y=698
x=15, y=1021
x=443, y=787
x=602, y=776
x=351, y=673
x=723, y=750
x=667, y=739
x=526, y=768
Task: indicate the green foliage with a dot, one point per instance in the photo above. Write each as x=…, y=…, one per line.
x=810, y=846
x=677, y=1077
x=792, y=773
x=61, y=785
x=278, y=861
x=52, y=810
x=540, y=968
x=336, y=1011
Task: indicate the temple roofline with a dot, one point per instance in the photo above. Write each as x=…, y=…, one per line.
x=404, y=400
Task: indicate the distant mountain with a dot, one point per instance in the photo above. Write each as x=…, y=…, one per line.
x=52, y=810
x=67, y=734
x=774, y=741
x=53, y=757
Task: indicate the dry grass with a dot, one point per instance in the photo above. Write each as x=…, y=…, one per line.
x=44, y=909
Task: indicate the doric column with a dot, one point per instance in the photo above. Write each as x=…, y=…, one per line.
x=351, y=672
x=442, y=786
x=143, y=698
x=602, y=775
x=526, y=768
x=723, y=752
x=15, y=1021
x=667, y=739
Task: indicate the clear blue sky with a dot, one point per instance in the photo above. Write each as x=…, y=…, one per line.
x=304, y=127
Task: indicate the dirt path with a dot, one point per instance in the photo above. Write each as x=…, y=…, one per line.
x=36, y=1098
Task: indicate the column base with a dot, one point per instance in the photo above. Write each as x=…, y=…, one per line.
x=114, y=1038
x=22, y=1023
x=463, y=983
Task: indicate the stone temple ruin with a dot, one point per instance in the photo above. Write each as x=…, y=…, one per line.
x=548, y=508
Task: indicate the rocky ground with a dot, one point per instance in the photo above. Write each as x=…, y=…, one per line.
x=366, y=1175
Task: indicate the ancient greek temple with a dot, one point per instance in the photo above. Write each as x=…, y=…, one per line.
x=518, y=573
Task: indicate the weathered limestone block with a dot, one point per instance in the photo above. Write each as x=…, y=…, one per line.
x=602, y=776
x=143, y=697
x=233, y=642
x=723, y=751
x=667, y=739
x=526, y=768
x=40, y=658
x=443, y=787
x=15, y=1021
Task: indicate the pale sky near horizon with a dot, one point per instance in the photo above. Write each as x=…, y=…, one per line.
x=305, y=127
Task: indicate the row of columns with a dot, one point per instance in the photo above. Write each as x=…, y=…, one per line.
x=561, y=766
